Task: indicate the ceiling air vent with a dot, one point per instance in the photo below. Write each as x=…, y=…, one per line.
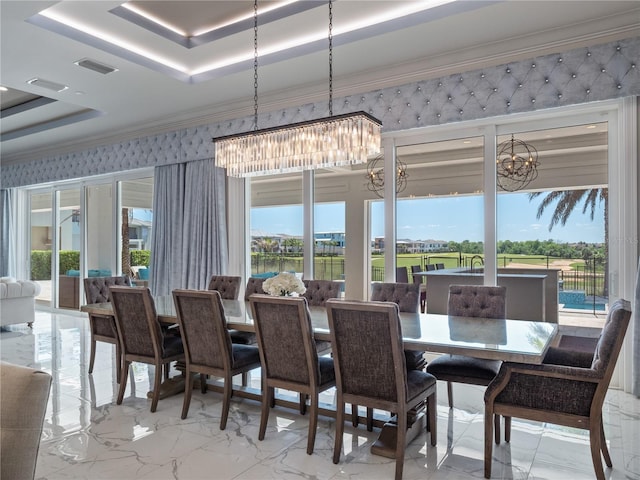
x=95, y=66
x=49, y=85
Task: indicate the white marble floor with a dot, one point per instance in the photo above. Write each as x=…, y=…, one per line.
x=86, y=435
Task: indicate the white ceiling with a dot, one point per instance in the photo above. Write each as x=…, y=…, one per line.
x=167, y=80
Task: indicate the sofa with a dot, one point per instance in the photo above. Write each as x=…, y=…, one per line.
x=17, y=301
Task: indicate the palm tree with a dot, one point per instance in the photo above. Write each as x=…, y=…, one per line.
x=566, y=202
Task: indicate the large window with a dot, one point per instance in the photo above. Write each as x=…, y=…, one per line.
x=69, y=242
x=557, y=224
x=276, y=225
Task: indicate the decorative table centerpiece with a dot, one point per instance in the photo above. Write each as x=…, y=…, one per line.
x=284, y=284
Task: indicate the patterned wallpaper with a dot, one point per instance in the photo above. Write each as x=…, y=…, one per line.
x=582, y=75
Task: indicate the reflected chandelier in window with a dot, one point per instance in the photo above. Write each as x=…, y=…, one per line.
x=375, y=176
x=517, y=165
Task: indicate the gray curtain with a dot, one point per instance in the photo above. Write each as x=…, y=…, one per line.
x=189, y=240
x=635, y=368
x=8, y=228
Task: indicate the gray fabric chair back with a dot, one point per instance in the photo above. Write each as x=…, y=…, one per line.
x=285, y=338
x=96, y=289
x=415, y=269
x=228, y=286
x=430, y=267
x=401, y=275
x=254, y=285
x=360, y=332
x=405, y=295
x=203, y=328
x=477, y=301
x=611, y=337
x=319, y=291
x=23, y=403
x=137, y=321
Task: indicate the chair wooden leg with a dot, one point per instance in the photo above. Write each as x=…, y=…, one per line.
x=488, y=441
x=507, y=429
x=303, y=403
x=354, y=415
x=432, y=420
x=203, y=383
x=595, y=437
x=496, y=422
x=313, y=422
x=245, y=379
x=92, y=356
x=450, y=394
x=118, y=361
x=123, y=381
x=401, y=435
x=167, y=369
x=603, y=446
x=369, y=419
x=156, y=388
x=188, y=389
x=267, y=398
x=337, y=446
x=226, y=402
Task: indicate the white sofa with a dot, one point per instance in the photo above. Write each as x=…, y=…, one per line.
x=17, y=301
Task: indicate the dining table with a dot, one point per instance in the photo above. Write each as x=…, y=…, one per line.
x=508, y=340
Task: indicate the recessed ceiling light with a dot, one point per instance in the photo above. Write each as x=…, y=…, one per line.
x=3, y=89
x=591, y=126
x=49, y=85
x=466, y=142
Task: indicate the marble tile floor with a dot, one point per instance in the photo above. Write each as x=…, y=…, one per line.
x=87, y=436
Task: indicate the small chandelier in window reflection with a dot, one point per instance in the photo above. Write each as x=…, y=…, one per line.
x=517, y=165
x=375, y=176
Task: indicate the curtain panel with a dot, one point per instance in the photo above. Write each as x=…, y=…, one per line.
x=189, y=231
x=7, y=242
x=635, y=367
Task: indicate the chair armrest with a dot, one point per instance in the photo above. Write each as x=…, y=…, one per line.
x=544, y=387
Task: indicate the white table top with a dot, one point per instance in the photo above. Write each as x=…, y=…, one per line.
x=508, y=340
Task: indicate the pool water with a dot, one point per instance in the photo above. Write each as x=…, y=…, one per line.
x=584, y=306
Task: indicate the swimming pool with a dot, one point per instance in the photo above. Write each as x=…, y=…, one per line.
x=584, y=306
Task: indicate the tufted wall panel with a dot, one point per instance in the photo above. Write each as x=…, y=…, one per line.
x=582, y=75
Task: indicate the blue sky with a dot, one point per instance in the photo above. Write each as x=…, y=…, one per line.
x=445, y=218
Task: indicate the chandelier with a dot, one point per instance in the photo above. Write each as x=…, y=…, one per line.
x=375, y=176
x=517, y=165
x=327, y=142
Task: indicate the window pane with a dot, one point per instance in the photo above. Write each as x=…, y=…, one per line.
x=136, y=219
x=557, y=224
x=276, y=224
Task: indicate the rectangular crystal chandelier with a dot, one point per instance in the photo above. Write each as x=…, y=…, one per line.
x=327, y=142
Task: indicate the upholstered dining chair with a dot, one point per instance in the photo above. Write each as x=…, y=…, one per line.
x=401, y=275
x=254, y=285
x=479, y=301
x=227, y=285
x=229, y=288
x=141, y=336
x=288, y=355
x=319, y=291
x=103, y=327
x=23, y=403
x=361, y=331
x=208, y=349
x=423, y=287
x=407, y=297
x=567, y=389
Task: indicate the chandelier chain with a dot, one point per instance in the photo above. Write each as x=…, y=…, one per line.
x=255, y=65
x=330, y=58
